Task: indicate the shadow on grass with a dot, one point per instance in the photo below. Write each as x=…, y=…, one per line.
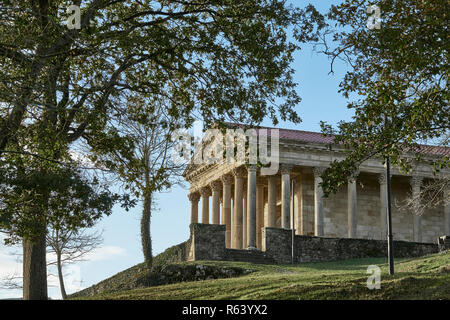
x=403, y=286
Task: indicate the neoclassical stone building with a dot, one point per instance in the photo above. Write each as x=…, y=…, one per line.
x=246, y=202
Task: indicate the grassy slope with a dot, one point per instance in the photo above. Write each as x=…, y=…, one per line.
x=420, y=278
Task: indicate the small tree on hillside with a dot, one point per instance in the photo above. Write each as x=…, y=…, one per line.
x=70, y=247
x=67, y=247
x=145, y=164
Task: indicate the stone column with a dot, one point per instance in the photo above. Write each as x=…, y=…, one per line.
x=447, y=211
x=382, y=180
x=318, y=202
x=244, y=217
x=227, y=180
x=205, y=192
x=239, y=175
x=351, y=207
x=251, y=207
x=194, y=198
x=415, y=183
x=298, y=203
x=285, y=196
x=222, y=214
x=259, y=212
x=272, y=201
x=216, y=187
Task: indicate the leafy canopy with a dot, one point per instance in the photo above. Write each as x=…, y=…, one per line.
x=216, y=60
x=397, y=84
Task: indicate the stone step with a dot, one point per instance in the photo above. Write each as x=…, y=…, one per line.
x=253, y=256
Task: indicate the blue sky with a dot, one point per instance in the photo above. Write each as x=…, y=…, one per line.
x=170, y=224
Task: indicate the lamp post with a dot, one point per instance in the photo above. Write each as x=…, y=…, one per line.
x=389, y=210
x=389, y=218
x=293, y=222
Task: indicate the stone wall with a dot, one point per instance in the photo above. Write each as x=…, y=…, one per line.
x=368, y=210
x=304, y=204
x=277, y=244
x=207, y=242
x=444, y=243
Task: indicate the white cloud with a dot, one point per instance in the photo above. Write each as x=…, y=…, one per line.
x=10, y=264
x=105, y=253
x=72, y=281
x=81, y=158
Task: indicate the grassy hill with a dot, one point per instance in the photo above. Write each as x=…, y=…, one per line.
x=419, y=278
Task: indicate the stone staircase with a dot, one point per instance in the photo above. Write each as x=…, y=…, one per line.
x=252, y=256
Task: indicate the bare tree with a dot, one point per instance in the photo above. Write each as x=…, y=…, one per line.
x=145, y=166
x=67, y=246
x=70, y=247
x=433, y=193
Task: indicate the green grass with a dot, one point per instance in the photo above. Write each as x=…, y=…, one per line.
x=419, y=278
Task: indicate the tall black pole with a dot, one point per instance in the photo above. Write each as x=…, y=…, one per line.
x=293, y=222
x=389, y=218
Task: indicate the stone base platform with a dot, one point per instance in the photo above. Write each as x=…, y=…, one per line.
x=207, y=242
x=253, y=256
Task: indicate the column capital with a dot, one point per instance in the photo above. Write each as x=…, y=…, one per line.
x=353, y=176
x=317, y=171
x=251, y=168
x=286, y=168
x=415, y=181
x=205, y=191
x=194, y=197
x=227, y=179
x=240, y=172
x=382, y=178
x=216, y=185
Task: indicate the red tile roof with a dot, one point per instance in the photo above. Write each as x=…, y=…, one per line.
x=317, y=137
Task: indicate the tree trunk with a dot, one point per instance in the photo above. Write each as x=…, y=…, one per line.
x=34, y=269
x=145, y=231
x=60, y=275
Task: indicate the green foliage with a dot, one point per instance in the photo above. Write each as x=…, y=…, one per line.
x=59, y=87
x=62, y=197
x=397, y=85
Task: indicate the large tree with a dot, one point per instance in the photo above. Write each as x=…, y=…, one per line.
x=219, y=60
x=397, y=83
x=36, y=195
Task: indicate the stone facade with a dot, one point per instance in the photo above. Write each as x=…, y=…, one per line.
x=207, y=242
x=243, y=200
x=320, y=249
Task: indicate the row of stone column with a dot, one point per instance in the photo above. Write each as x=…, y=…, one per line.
x=246, y=225
x=243, y=228
x=415, y=183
